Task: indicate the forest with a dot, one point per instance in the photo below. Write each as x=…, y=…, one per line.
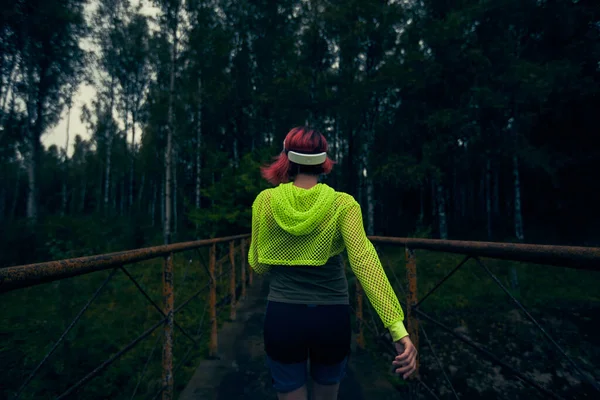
x=447, y=119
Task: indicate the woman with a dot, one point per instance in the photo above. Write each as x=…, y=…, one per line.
x=299, y=230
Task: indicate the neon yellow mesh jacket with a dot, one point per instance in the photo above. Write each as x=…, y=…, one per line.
x=296, y=226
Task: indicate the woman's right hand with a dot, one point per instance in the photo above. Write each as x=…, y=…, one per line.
x=406, y=359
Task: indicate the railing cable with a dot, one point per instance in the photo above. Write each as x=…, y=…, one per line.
x=443, y=280
x=198, y=335
x=137, y=285
x=109, y=361
x=64, y=334
x=431, y=392
x=518, y=303
x=146, y=366
x=438, y=361
x=488, y=354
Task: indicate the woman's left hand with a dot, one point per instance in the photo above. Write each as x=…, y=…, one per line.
x=406, y=358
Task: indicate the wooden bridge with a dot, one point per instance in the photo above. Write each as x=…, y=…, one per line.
x=234, y=300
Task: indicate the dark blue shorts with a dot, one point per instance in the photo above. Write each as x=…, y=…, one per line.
x=299, y=335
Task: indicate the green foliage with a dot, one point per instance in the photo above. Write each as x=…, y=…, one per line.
x=403, y=170
x=423, y=232
x=472, y=288
x=231, y=198
x=56, y=238
x=115, y=318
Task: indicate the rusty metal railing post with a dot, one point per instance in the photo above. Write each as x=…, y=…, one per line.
x=212, y=349
x=411, y=301
x=232, y=282
x=360, y=339
x=167, y=377
x=243, y=255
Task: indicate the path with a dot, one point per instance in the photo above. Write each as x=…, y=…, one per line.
x=241, y=373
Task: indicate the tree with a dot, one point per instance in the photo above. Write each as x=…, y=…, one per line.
x=108, y=24
x=170, y=21
x=133, y=75
x=48, y=42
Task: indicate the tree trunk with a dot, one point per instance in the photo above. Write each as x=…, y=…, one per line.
x=442, y=212
x=481, y=197
x=8, y=90
x=518, y=212
x=169, y=149
x=162, y=202
x=335, y=151
x=361, y=181
x=212, y=198
x=65, y=165
x=31, y=177
x=131, y=171
x=463, y=201
x=367, y=181
x=141, y=190
x=99, y=191
x=153, y=205
x=122, y=196
x=109, y=139
x=83, y=190
x=2, y=203
x=351, y=165
x=472, y=201
x=113, y=196
x=30, y=139
x=236, y=157
x=454, y=197
x=107, y=169
x=199, y=144
x=37, y=130
x=514, y=280
x=488, y=196
x=422, y=206
x=15, y=199
x=433, y=199
x=175, y=198
x=496, y=199
x=370, y=208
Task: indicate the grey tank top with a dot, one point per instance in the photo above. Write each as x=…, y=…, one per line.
x=325, y=284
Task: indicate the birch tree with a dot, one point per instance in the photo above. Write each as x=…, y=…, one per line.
x=170, y=20
x=50, y=56
x=108, y=26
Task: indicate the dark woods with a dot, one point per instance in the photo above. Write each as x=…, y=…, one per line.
x=457, y=119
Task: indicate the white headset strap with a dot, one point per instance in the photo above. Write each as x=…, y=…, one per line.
x=307, y=159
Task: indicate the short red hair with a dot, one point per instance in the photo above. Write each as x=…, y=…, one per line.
x=303, y=140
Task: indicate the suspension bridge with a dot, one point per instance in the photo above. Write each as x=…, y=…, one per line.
x=234, y=300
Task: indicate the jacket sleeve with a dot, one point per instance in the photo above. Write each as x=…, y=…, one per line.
x=257, y=208
x=367, y=267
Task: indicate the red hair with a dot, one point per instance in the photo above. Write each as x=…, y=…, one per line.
x=302, y=140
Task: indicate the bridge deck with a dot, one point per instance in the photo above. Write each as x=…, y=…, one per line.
x=241, y=373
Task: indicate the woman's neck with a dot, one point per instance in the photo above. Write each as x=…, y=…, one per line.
x=306, y=181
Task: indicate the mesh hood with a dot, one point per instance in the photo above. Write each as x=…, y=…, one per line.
x=300, y=211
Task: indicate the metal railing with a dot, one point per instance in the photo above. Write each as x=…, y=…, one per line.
x=584, y=258
x=13, y=278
